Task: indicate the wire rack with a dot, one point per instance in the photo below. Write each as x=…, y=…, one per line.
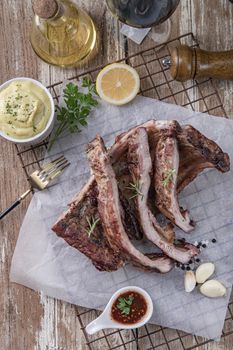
x=156, y=82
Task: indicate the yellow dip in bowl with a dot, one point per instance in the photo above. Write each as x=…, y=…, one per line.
x=25, y=109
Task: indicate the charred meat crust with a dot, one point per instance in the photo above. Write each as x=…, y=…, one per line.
x=197, y=153
x=129, y=219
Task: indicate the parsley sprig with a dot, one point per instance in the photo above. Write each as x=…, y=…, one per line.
x=78, y=105
x=168, y=177
x=125, y=304
x=92, y=222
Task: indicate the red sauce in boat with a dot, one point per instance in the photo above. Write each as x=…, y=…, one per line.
x=129, y=308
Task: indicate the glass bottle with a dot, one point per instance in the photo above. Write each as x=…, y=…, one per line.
x=62, y=34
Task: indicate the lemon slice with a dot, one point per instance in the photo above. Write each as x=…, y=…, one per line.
x=118, y=83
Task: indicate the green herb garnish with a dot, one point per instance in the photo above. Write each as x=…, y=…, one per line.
x=34, y=128
x=88, y=83
x=91, y=225
x=18, y=97
x=8, y=108
x=78, y=106
x=168, y=177
x=124, y=304
x=134, y=187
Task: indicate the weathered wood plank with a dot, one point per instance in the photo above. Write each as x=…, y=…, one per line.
x=212, y=24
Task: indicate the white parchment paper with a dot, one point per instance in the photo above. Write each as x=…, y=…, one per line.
x=44, y=262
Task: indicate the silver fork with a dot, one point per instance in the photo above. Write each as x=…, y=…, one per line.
x=40, y=179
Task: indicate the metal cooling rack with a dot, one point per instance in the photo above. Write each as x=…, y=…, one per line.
x=156, y=82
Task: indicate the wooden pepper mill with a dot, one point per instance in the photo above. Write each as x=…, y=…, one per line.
x=192, y=63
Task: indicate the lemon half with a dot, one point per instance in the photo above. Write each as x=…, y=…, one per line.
x=118, y=83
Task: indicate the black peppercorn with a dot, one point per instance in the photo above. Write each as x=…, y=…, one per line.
x=214, y=240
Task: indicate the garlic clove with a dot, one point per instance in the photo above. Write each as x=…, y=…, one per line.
x=189, y=281
x=213, y=289
x=204, y=271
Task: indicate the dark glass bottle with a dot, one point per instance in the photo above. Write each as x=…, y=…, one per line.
x=142, y=13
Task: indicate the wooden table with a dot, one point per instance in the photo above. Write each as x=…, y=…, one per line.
x=28, y=320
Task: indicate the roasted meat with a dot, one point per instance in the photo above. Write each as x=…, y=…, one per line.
x=110, y=209
x=197, y=153
x=120, y=147
x=180, y=155
x=176, y=156
x=73, y=227
x=166, y=167
x=140, y=166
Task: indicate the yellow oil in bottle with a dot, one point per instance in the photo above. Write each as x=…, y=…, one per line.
x=66, y=38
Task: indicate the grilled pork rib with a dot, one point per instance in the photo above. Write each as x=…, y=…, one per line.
x=110, y=211
x=140, y=166
x=72, y=226
x=197, y=153
x=165, y=180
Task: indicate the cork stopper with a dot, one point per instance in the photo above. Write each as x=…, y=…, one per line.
x=45, y=8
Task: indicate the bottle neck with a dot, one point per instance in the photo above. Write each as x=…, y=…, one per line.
x=48, y=9
x=59, y=13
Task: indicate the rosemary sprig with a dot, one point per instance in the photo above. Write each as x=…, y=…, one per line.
x=169, y=177
x=125, y=304
x=92, y=222
x=134, y=187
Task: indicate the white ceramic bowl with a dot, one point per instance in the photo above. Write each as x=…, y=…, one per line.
x=44, y=133
x=105, y=321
